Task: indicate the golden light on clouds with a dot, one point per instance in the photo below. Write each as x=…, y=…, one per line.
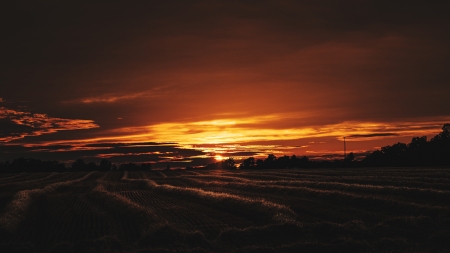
x=219, y=158
x=261, y=128
x=254, y=129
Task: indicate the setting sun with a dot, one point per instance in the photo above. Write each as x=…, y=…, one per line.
x=218, y=158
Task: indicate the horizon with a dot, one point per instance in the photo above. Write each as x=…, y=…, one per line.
x=192, y=84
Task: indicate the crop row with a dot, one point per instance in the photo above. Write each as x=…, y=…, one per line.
x=368, y=210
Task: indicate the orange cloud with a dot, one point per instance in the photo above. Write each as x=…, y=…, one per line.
x=114, y=97
x=110, y=98
x=250, y=130
x=264, y=128
x=19, y=124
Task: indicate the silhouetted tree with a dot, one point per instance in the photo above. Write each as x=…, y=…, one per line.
x=5, y=167
x=349, y=158
x=24, y=165
x=282, y=162
x=92, y=166
x=259, y=164
x=347, y=161
x=229, y=163
x=129, y=167
x=32, y=165
x=79, y=165
x=105, y=165
x=269, y=162
x=419, y=152
x=440, y=147
x=395, y=155
x=248, y=163
x=146, y=166
x=303, y=162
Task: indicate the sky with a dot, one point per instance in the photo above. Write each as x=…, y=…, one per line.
x=193, y=82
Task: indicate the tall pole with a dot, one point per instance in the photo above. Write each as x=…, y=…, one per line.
x=345, y=149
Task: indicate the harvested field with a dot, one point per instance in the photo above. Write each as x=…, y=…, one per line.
x=295, y=210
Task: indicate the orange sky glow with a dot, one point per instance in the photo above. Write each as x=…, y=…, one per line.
x=194, y=83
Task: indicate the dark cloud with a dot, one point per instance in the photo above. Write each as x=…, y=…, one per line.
x=371, y=135
x=240, y=154
x=17, y=124
x=11, y=130
x=117, y=153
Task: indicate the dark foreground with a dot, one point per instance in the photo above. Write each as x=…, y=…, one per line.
x=339, y=210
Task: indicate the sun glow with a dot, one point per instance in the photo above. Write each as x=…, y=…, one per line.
x=218, y=158
x=260, y=128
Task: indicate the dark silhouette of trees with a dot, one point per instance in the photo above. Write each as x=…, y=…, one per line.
x=227, y=164
x=129, y=167
x=105, y=165
x=92, y=166
x=32, y=165
x=5, y=167
x=79, y=165
x=146, y=166
x=303, y=162
x=283, y=162
x=248, y=163
x=395, y=155
x=439, y=147
x=271, y=162
x=259, y=163
x=349, y=158
x=419, y=152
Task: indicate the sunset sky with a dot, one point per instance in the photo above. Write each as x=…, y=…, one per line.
x=188, y=82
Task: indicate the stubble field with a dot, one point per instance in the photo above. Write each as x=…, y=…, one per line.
x=295, y=210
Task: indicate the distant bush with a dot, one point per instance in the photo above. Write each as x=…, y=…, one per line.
x=32, y=165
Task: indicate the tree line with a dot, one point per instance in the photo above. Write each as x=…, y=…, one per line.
x=419, y=152
x=36, y=165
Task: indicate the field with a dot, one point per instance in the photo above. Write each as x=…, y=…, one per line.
x=295, y=210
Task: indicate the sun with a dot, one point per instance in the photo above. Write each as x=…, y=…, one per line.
x=218, y=158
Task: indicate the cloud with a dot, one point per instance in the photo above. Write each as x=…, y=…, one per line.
x=107, y=98
x=267, y=128
x=124, y=149
x=372, y=135
x=20, y=124
x=116, y=97
x=157, y=153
